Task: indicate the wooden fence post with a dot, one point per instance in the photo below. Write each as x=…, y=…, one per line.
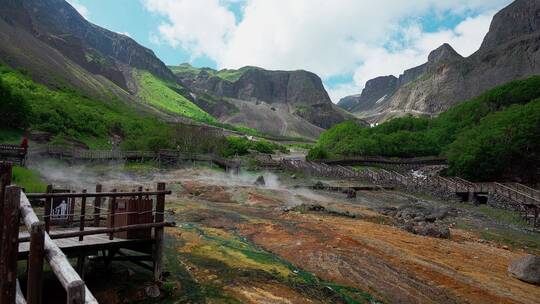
x=48, y=205
x=35, y=263
x=158, y=233
x=97, y=207
x=10, y=244
x=82, y=218
x=5, y=180
x=112, y=210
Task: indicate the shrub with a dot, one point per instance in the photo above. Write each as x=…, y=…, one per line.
x=316, y=153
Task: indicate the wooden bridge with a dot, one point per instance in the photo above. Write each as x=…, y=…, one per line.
x=513, y=196
x=124, y=226
x=13, y=153
x=162, y=157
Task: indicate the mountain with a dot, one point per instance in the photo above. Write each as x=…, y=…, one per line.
x=51, y=41
x=510, y=51
x=286, y=102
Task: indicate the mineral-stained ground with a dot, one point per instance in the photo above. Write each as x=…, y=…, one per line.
x=239, y=243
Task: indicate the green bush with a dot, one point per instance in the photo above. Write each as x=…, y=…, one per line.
x=15, y=110
x=241, y=146
x=317, y=153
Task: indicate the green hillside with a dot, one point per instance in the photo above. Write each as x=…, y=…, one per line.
x=161, y=95
x=69, y=114
x=495, y=136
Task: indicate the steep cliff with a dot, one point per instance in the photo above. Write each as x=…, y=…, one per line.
x=299, y=93
x=510, y=51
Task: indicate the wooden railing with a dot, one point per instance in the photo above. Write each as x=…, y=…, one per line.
x=15, y=205
x=14, y=153
x=518, y=195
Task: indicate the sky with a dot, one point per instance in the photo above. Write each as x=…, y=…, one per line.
x=345, y=42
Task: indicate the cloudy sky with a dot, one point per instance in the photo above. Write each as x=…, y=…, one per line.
x=346, y=42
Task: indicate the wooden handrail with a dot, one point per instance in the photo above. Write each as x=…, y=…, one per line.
x=96, y=194
x=68, y=277
x=64, y=235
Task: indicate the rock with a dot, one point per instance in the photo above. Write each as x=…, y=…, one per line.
x=152, y=291
x=260, y=181
x=432, y=230
x=526, y=269
x=320, y=185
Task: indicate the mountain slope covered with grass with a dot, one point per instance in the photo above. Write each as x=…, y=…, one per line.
x=495, y=136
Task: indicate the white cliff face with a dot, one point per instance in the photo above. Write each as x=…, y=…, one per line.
x=511, y=50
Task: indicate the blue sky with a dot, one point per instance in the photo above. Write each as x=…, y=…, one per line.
x=346, y=42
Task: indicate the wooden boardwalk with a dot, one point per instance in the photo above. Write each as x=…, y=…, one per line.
x=72, y=245
x=162, y=157
x=514, y=196
x=115, y=222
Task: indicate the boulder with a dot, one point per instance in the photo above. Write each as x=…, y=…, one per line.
x=152, y=291
x=526, y=269
x=260, y=181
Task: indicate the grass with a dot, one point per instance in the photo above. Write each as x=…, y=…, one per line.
x=160, y=94
x=30, y=180
x=230, y=75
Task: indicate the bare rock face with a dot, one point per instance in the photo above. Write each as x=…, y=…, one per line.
x=56, y=24
x=301, y=92
x=375, y=92
x=510, y=51
x=526, y=269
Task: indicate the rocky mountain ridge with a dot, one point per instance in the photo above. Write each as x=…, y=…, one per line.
x=510, y=51
x=300, y=92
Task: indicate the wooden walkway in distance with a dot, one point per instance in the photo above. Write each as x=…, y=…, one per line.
x=162, y=157
x=520, y=197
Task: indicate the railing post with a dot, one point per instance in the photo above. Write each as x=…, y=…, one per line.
x=83, y=215
x=112, y=210
x=97, y=207
x=5, y=180
x=158, y=232
x=48, y=205
x=10, y=244
x=35, y=263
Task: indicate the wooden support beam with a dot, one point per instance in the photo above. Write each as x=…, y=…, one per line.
x=82, y=218
x=10, y=244
x=97, y=207
x=158, y=233
x=48, y=206
x=112, y=210
x=35, y=263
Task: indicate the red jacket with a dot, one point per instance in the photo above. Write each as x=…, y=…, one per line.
x=24, y=143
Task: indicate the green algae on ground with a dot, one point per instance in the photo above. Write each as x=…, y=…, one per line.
x=235, y=260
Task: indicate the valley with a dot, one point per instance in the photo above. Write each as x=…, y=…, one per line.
x=211, y=170
x=240, y=243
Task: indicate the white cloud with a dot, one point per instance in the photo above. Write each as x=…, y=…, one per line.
x=328, y=37
x=83, y=10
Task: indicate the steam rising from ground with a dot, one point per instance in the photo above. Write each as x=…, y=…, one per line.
x=116, y=175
